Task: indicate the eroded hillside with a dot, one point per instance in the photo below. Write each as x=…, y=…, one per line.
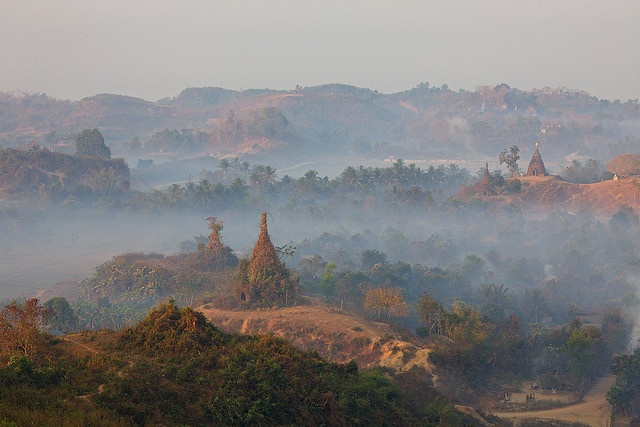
x=551, y=192
x=338, y=336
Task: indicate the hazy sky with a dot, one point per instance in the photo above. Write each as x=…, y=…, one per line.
x=154, y=49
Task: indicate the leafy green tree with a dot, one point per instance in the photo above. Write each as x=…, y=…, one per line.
x=60, y=315
x=431, y=312
x=626, y=368
x=166, y=140
x=624, y=219
x=510, y=159
x=473, y=268
x=616, y=329
x=90, y=143
x=328, y=280
x=580, y=350
x=371, y=257
x=465, y=325
x=310, y=267
x=470, y=352
x=583, y=173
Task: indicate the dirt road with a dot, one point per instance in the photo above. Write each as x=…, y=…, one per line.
x=593, y=410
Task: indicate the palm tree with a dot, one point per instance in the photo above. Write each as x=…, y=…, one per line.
x=238, y=190
x=372, y=178
x=270, y=176
x=311, y=176
x=400, y=173
x=255, y=177
x=495, y=298
x=432, y=177
x=175, y=194
x=239, y=168
x=202, y=192
x=436, y=177
x=309, y=183
x=349, y=179
x=413, y=174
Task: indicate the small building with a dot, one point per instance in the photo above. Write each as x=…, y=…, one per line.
x=536, y=166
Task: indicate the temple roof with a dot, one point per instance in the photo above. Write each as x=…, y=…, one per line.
x=536, y=166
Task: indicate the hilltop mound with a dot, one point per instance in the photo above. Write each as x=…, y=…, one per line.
x=546, y=192
x=39, y=169
x=338, y=336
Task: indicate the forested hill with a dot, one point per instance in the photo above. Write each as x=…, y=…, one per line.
x=423, y=122
x=38, y=169
x=175, y=368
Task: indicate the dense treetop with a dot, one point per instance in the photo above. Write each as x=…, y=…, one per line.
x=90, y=143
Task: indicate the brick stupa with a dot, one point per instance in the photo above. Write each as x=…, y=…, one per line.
x=536, y=166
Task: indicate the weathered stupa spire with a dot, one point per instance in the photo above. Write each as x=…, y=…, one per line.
x=216, y=226
x=264, y=278
x=263, y=224
x=486, y=178
x=264, y=248
x=484, y=186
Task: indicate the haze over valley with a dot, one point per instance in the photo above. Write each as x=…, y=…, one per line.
x=286, y=213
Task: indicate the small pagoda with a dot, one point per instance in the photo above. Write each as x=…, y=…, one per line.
x=536, y=166
x=484, y=187
x=263, y=278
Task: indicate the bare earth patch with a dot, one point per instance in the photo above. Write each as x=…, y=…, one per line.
x=593, y=410
x=604, y=197
x=336, y=336
x=550, y=192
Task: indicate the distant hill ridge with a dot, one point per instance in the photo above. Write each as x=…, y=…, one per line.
x=423, y=121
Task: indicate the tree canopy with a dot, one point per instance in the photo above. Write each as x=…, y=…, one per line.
x=90, y=143
x=624, y=164
x=510, y=159
x=626, y=368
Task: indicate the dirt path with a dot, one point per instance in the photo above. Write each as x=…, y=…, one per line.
x=593, y=410
x=79, y=344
